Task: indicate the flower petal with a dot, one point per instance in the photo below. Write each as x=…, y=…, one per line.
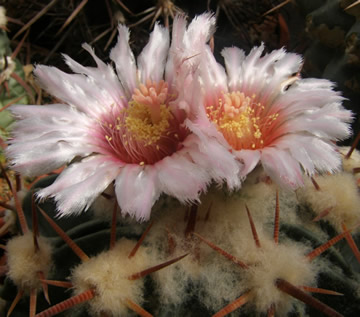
x=315, y=92
x=98, y=75
x=151, y=61
x=187, y=46
x=189, y=42
x=327, y=122
x=214, y=157
x=212, y=75
x=259, y=75
x=250, y=159
x=136, y=190
x=233, y=57
x=178, y=176
x=282, y=167
x=124, y=61
x=311, y=152
x=48, y=140
x=79, y=185
x=56, y=117
x=80, y=91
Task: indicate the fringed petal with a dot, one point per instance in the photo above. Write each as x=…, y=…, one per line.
x=257, y=74
x=151, y=61
x=50, y=118
x=52, y=156
x=212, y=75
x=190, y=42
x=329, y=122
x=249, y=72
x=289, y=103
x=233, y=57
x=181, y=178
x=213, y=156
x=100, y=74
x=199, y=32
x=137, y=190
x=187, y=46
x=249, y=158
x=312, y=153
x=48, y=140
x=88, y=95
x=277, y=70
x=124, y=60
x=282, y=168
x=81, y=183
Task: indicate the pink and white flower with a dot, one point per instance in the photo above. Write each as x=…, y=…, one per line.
x=262, y=110
x=126, y=126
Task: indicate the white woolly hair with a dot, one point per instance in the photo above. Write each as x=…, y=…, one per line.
x=219, y=278
x=337, y=191
x=25, y=262
x=173, y=281
x=107, y=273
x=266, y=264
x=272, y=262
x=202, y=274
x=215, y=280
x=181, y=281
x=352, y=162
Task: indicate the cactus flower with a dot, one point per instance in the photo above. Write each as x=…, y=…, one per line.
x=264, y=112
x=126, y=126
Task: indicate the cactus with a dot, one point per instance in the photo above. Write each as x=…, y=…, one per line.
x=228, y=257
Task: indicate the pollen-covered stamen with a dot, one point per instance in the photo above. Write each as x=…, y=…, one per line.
x=241, y=120
x=139, y=122
x=146, y=130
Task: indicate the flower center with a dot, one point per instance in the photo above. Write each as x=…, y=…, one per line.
x=241, y=120
x=145, y=125
x=146, y=131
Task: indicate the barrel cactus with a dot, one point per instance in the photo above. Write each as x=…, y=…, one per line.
x=190, y=189
x=251, y=248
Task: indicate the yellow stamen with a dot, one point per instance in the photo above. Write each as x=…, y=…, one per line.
x=140, y=123
x=237, y=118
